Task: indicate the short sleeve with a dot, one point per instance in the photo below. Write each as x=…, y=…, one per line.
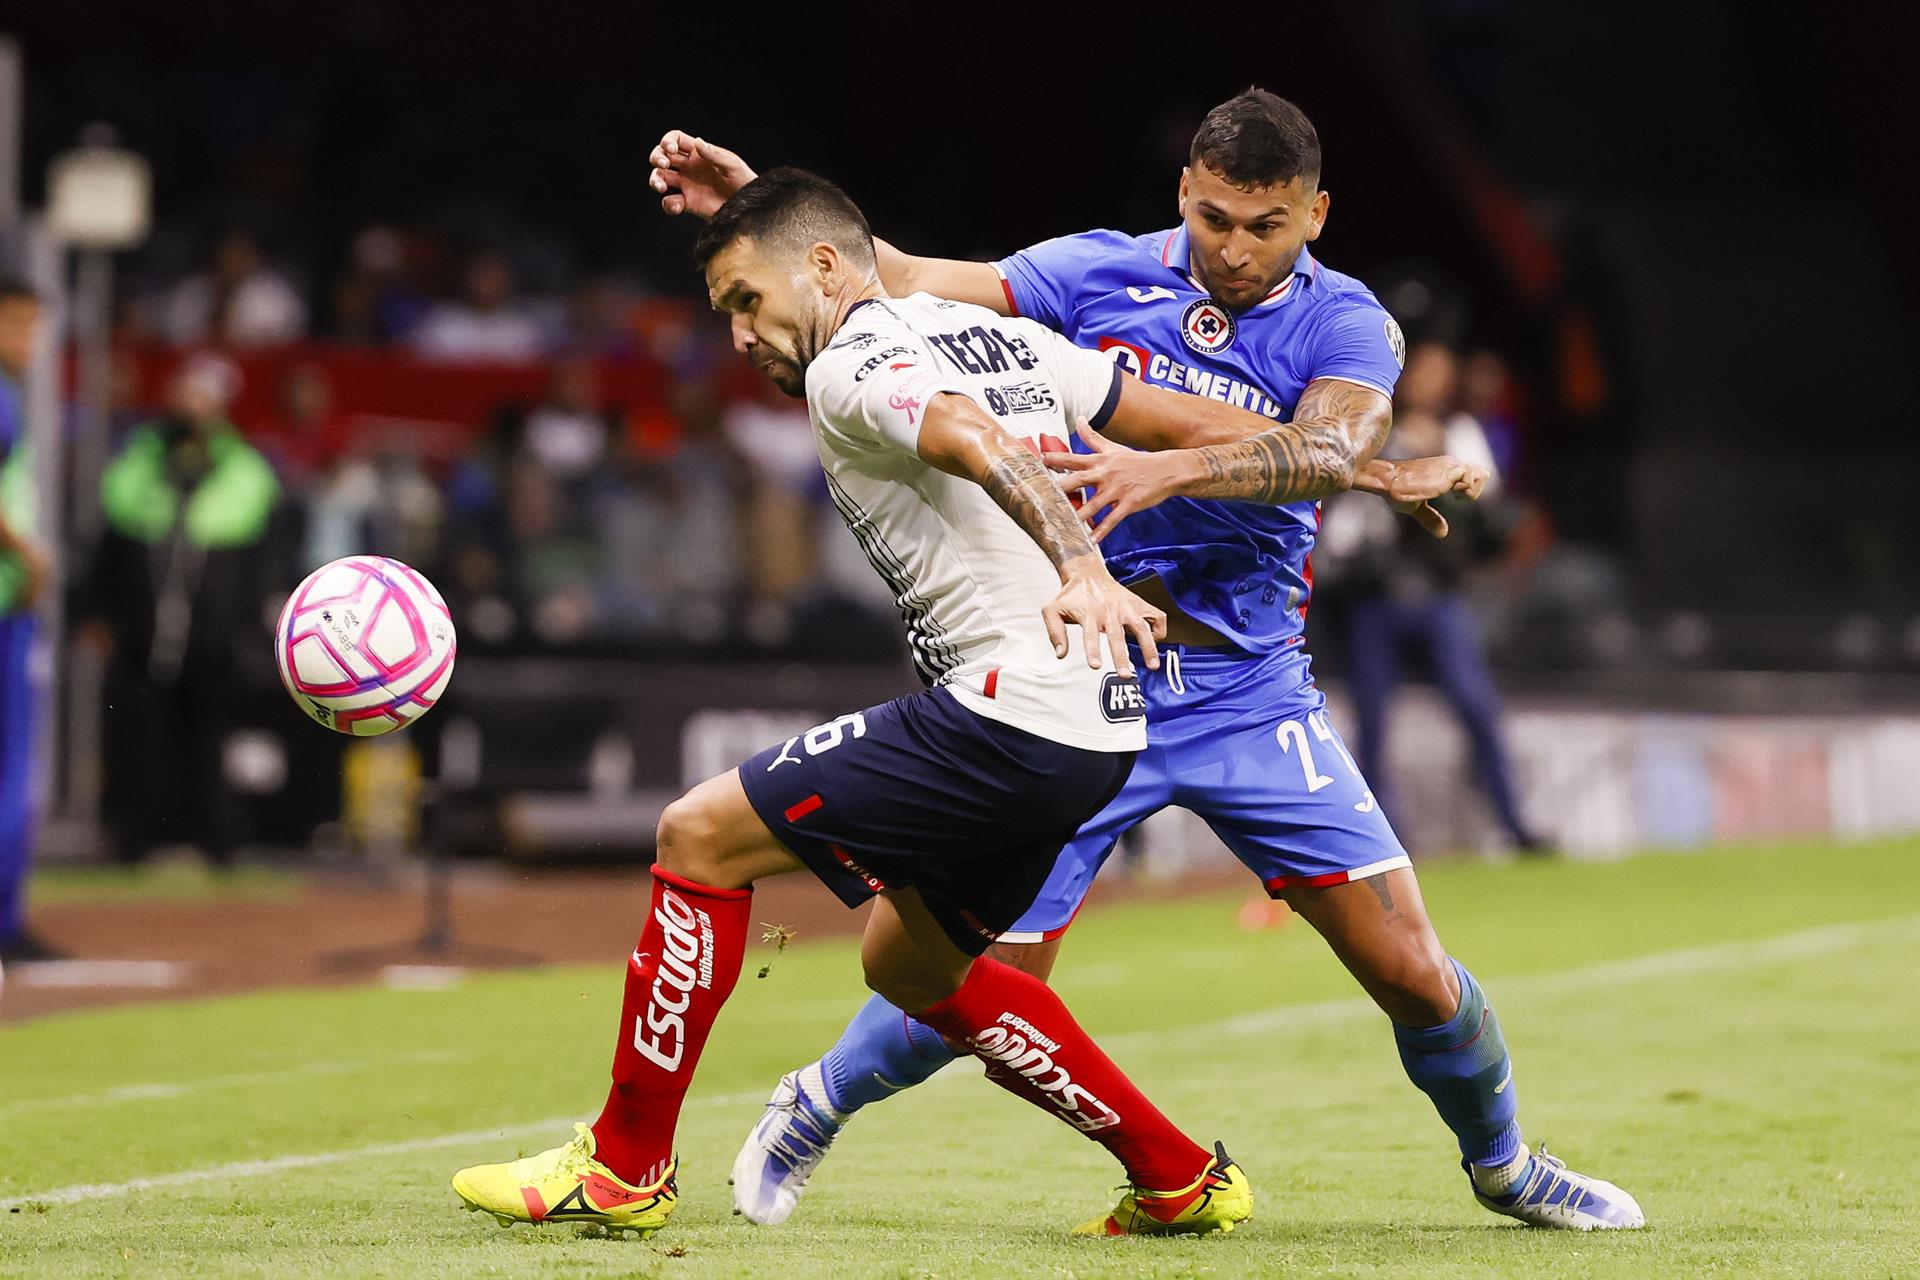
x=1359, y=343
x=1045, y=282
x=1088, y=381
x=873, y=386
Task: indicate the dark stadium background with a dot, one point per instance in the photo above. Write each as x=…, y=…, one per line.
x=1687, y=229
x=1723, y=189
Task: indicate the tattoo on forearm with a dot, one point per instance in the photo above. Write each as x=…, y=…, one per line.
x=1025, y=490
x=1336, y=427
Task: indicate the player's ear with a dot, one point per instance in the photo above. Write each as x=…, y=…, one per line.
x=1186, y=171
x=823, y=264
x=1317, y=217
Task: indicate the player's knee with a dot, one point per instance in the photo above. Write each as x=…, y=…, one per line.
x=686, y=842
x=915, y=993
x=1034, y=958
x=1418, y=988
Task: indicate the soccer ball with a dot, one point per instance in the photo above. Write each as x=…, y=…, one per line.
x=365, y=645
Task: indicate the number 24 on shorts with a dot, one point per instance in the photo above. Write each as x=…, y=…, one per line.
x=1292, y=736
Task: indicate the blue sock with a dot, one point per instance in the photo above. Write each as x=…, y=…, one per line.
x=881, y=1052
x=1462, y=1065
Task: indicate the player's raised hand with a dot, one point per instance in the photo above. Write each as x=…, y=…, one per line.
x=693, y=175
x=1101, y=607
x=1113, y=481
x=1410, y=486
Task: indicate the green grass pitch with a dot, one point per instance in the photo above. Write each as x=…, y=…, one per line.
x=1733, y=1036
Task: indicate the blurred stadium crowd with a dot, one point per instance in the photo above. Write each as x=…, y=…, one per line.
x=593, y=468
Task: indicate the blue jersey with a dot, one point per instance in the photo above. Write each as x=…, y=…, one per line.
x=1242, y=568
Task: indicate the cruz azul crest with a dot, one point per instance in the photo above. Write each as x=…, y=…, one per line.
x=1207, y=327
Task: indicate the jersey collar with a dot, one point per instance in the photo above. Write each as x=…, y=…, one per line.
x=1177, y=255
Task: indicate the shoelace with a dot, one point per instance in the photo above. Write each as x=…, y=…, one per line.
x=578, y=1157
x=800, y=1140
x=1543, y=1188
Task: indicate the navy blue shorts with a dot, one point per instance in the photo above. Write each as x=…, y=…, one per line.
x=920, y=792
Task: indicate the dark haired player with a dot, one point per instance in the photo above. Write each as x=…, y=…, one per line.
x=950, y=805
x=1228, y=306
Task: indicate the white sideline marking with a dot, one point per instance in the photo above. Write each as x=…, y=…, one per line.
x=1660, y=964
x=280, y=1164
x=154, y=974
x=181, y=1088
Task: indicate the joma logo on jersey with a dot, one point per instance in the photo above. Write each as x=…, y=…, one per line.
x=1207, y=327
x=1020, y=397
x=1121, y=699
x=685, y=961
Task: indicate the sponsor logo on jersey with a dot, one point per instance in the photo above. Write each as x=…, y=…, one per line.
x=855, y=341
x=686, y=961
x=981, y=350
x=877, y=359
x=1129, y=357
x=1397, y=341
x=1121, y=699
x=1021, y=397
x=1214, y=386
x=1207, y=327
x=1079, y=1107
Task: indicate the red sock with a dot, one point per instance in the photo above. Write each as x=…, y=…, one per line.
x=1034, y=1048
x=679, y=975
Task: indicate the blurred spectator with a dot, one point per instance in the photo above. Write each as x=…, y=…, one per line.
x=305, y=435
x=377, y=501
x=239, y=303
x=568, y=432
x=597, y=322
x=23, y=570
x=486, y=324
x=1486, y=398
x=375, y=301
x=1405, y=594
x=771, y=432
x=174, y=595
x=671, y=533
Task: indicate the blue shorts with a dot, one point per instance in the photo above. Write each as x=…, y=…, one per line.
x=922, y=793
x=1242, y=741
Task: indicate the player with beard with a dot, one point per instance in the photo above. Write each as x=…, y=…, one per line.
x=951, y=805
x=1228, y=306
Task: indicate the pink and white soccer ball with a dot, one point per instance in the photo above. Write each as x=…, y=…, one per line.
x=365, y=645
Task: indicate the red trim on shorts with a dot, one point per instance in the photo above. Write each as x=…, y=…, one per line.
x=993, y=682
x=845, y=859
x=1048, y=935
x=1006, y=287
x=805, y=807
x=1275, y=885
x=1372, y=869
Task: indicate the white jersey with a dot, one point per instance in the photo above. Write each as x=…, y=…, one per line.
x=968, y=580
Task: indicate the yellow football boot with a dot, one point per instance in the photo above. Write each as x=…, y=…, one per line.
x=567, y=1184
x=1219, y=1200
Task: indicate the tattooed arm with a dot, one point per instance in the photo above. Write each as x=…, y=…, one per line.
x=1337, y=428
x=1218, y=451
x=1211, y=450
x=960, y=438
